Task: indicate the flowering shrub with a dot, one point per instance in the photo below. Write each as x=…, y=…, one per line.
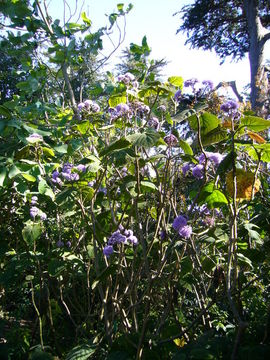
x=93, y=248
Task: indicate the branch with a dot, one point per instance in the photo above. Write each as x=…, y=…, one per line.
x=232, y=85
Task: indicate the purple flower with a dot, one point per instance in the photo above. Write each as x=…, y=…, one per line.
x=60, y=243
x=204, y=210
x=34, y=200
x=185, y=231
x=34, y=138
x=197, y=171
x=209, y=85
x=87, y=104
x=55, y=175
x=178, y=95
x=179, y=222
x=117, y=238
x=68, y=244
x=216, y=158
x=133, y=240
x=163, y=235
x=34, y=211
x=171, y=140
x=153, y=122
x=91, y=183
x=229, y=106
x=135, y=84
x=81, y=168
x=162, y=108
x=43, y=216
x=81, y=106
x=126, y=79
x=108, y=250
x=95, y=107
x=190, y=82
x=185, y=168
x=209, y=221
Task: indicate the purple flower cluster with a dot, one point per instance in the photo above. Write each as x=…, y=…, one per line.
x=69, y=173
x=171, y=140
x=120, y=236
x=229, y=106
x=89, y=105
x=191, y=82
x=153, y=122
x=208, y=84
x=198, y=170
x=126, y=79
x=35, y=211
x=178, y=95
x=216, y=158
x=162, y=108
x=34, y=138
x=120, y=111
x=180, y=225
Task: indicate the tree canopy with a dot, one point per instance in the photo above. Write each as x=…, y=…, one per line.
x=232, y=29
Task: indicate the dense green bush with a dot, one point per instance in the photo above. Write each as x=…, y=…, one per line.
x=134, y=220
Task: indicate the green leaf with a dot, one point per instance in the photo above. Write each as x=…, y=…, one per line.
x=149, y=185
x=48, y=151
x=85, y=19
x=176, y=81
x=255, y=123
x=216, y=199
x=146, y=139
x=117, y=145
x=215, y=136
x=83, y=127
x=44, y=189
x=56, y=267
x=208, y=122
x=115, y=100
x=263, y=150
x=28, y=177
x=81, y=352
x=185, y=147
x=120, y=7
x=227, y=163
x=253, y=233
x=3, y=174
x=61, y=149
x=31, y=232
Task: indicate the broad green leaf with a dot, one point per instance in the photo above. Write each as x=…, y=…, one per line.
x=263, y=150
x=149, y=185
x=83, y=127
x=48, y=151
x=61, y=149
x=117, y=145
x=81, y=352
x=255, y=123
x=208, y=122
x=226, y=163
x=31, y=232
x=215, y=136
x=13, y=171
x=115, y=100
x=5, y=112
x=146, y=139
x=3, y=173
x=28, y=177
x=185, y=147
x=45, y=189
x=176, y=81
x=216, y=199
x=56, y=267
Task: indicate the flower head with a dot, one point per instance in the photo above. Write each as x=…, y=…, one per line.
x=153, y=122
x=198, y=172
x=81, y=168
x=171, y=140
x=34, y=211
x=108, y=250
x=178, y=95
x=216, y=158
x=34, y=138
x=209, y=85
x=162, y=108
x=179, y=222
x=185, y=231
x=185, y=168
x=229, y=106
x=34, y=200
x=191, y=82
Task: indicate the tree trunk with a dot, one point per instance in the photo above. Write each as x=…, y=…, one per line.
x=258, y=36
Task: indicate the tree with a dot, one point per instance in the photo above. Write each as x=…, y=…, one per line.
x=135, y=59
x=232, y=28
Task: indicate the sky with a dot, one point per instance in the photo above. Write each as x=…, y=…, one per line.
x=154, y=18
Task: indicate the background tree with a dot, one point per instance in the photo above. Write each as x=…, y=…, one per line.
x=232, y=28
x=135, y=59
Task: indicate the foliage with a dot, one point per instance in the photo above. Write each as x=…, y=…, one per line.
x=126, y=229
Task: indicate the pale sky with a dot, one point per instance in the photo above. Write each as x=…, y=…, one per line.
x=154, y=18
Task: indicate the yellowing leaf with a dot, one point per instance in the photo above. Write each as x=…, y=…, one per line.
x=180, y=342
x=256, y=137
